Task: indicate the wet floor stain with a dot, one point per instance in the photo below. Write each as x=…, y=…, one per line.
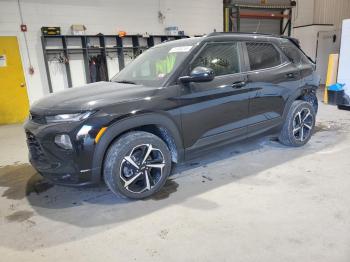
x=169, y=188
x=38, y=186
x=19, y=216
x=322, y=127
x=21, y=180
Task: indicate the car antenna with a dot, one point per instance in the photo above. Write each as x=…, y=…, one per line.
x=258, y=27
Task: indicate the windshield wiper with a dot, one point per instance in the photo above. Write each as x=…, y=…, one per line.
x=126, y=82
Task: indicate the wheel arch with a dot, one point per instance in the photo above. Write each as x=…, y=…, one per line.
x=298, y=95
x=157, y=124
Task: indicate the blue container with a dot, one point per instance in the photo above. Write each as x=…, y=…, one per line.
x=336, y=94
x=336, y=87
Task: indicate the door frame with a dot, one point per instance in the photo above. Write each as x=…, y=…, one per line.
x=23, y=60
x=255, y=128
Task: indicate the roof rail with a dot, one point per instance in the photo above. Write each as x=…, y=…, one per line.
x=294, y=40
x=239, y=33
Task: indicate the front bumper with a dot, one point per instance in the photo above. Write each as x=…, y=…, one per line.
x=65, y=167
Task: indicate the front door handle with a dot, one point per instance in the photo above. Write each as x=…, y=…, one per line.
x=239, y=84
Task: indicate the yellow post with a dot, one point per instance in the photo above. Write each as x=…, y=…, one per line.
x=227, y=19
x=331, y=74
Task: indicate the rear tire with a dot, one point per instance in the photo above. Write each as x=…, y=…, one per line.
x=137, y=165
x=299, y=124
x=312, y=99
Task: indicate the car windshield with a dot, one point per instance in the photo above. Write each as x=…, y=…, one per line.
x=155, y=66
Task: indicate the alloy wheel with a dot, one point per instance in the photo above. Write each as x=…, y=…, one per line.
x=142, y=168
x=302, y=124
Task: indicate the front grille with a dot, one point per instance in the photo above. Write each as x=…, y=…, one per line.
x=37, y=118
x=34, y=147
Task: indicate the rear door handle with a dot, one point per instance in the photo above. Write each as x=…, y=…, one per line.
x=239, y=84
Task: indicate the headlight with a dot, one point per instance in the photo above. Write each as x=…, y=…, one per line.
x=67, y=117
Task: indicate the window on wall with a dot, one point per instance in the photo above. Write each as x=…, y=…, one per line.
x=223, y=58
x=262, y=55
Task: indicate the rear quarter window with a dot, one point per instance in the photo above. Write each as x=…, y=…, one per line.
x=295, y=55
x=262, y=55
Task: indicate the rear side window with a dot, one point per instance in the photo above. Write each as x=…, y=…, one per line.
x=262, y=55
x=294, y=55
x=223, y=58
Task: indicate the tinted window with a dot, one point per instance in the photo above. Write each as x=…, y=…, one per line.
x=223, y=58
x=294, y=55
x=262, y=55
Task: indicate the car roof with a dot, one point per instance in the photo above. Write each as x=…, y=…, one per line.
x=226, y=36
x=243, y=36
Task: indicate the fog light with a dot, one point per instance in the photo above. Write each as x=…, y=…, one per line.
x=63, y=141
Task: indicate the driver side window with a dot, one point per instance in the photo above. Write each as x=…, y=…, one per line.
x=223, y=58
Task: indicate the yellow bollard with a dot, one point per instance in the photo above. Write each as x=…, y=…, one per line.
x=332, y=73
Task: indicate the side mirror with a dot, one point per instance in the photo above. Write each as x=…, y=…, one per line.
x=199, y=74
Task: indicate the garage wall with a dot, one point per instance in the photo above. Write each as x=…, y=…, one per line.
x=307, y=36
x=310, y=12
x=331, y=12
x=107, y=17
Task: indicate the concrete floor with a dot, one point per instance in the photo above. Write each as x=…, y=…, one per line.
x=254, y=201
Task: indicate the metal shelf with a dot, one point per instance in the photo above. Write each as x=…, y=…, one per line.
x=236, y=12
x=86, y=50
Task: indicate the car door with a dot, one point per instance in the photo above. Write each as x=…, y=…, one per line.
x=275, y=78
x=215, y=111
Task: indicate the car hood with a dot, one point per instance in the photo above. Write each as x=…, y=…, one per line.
x=90, y=97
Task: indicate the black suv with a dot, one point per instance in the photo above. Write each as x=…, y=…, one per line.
x=171, y=102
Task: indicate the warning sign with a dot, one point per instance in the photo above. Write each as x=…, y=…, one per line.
x=3, y=61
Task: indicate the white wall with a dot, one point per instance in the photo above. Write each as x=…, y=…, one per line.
x=326, y=46
x=303, y=13
x=344, y=62
x=308, y=38
x=107, y=17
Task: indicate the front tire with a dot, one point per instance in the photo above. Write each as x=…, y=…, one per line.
x=137, y=165
x=299, y=124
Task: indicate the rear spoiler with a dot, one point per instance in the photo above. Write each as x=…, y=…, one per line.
x=292, y=39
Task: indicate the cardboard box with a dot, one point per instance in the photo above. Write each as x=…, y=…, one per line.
x=78, y=29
